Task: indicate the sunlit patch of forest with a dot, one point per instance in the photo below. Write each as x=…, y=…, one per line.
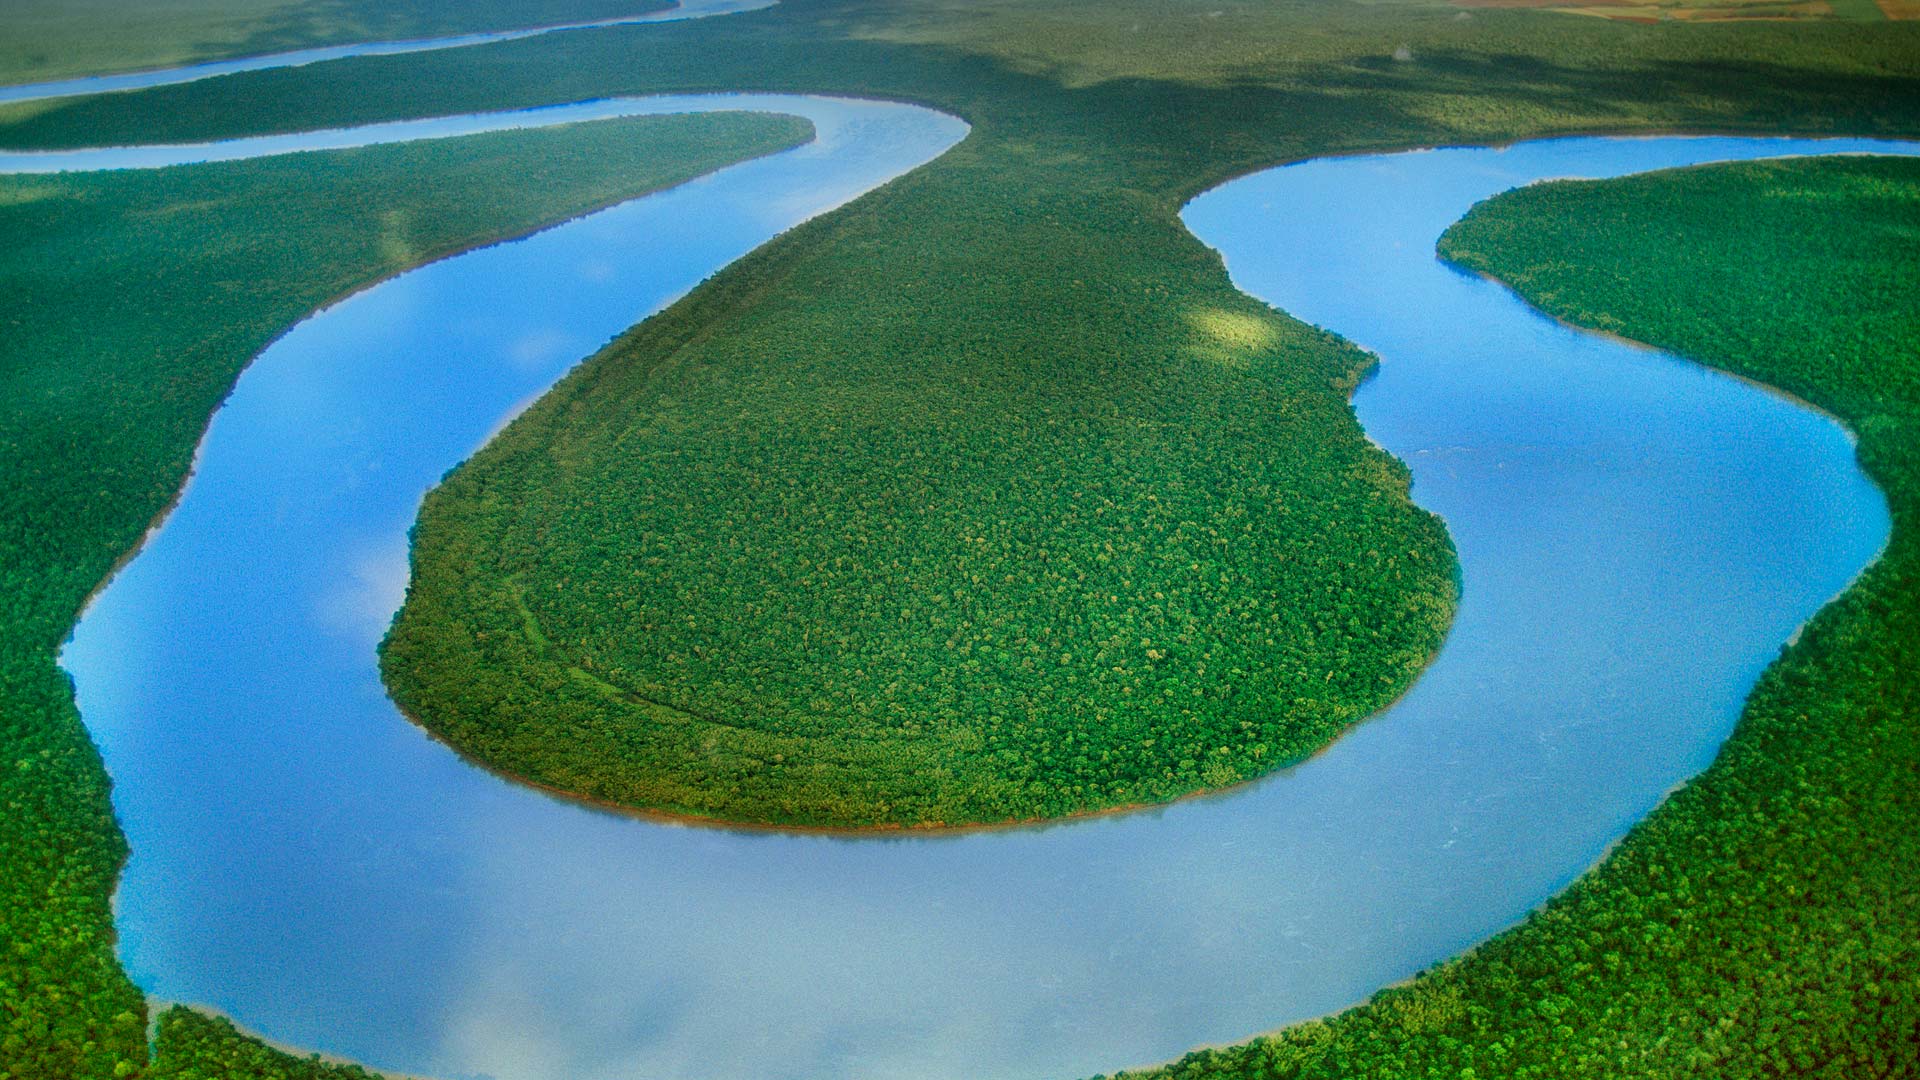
x=1765, y=921
x=194, y=1046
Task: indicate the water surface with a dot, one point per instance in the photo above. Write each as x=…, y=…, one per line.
x=1638, y=536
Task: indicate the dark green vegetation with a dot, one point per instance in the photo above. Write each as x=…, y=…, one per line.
x=55, y=39
x=1102, y=118
x=131, y=302
x=192, y=1046
x=1766, y=920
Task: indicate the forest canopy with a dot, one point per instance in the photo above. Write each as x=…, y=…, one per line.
x=1002, y=505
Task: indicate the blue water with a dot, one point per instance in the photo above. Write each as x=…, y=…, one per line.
x=1637, y=535
x=141, y=80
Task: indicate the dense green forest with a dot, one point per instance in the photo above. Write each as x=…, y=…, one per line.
x=55, y=39
x=131, y=302
x=891, y=536
x=1765, y=921
x=1091, y=123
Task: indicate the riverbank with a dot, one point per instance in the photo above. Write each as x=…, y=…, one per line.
x=1762, y=919
x=125, y=337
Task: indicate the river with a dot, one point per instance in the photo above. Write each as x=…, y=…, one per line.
x=1637, y=535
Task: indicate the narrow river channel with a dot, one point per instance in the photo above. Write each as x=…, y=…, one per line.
x=1638, y=537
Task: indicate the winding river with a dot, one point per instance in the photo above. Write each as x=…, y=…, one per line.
x=1638, y=536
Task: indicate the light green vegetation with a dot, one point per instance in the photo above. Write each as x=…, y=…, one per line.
x=56, y=39
x=1092, y=122
x=130, y=302
x=1704, y=10
x=1765, y=921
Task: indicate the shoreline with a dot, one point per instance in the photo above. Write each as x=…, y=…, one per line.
x=159, y=518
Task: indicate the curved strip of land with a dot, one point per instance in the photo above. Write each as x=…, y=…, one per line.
x=173, y=76
x=876, y=542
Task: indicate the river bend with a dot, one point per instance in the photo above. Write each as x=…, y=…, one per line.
x=1637, y=535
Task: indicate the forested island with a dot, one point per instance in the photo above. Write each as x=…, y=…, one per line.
x=899, y=537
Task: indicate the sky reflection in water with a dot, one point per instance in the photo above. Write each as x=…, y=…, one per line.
x=1638, y=537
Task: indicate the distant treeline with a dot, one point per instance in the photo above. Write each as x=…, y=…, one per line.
x=1764, y=922
x=57, y=39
